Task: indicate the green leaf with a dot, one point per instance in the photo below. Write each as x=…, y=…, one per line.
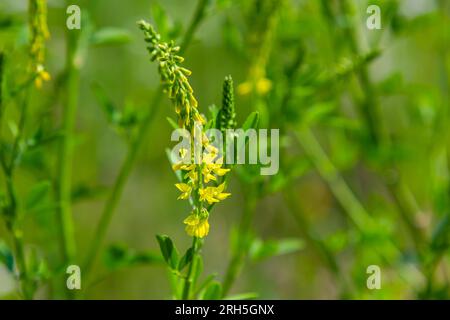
x=37, y=195
x=6, y=257
x=168, y=251
x=112, y=113
x=110, y=36
x=213, y=291
x=186, y=259
x=261, y=250
x=198, y=268
x=206, y=282
x=13, y=128
x=318, y=112
x=440, y=240
x=242, y=296
x=252, y=121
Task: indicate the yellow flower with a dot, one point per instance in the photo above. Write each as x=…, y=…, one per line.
x=220, y=171
x=206, y=172
x=217, y=167
x=213, y=194
x=41, y=75
x=183, y=166
x=261, y=86
x=244, y=88
x=196, y=226
x=199, y=118
x=193, y=175
x=211, y=168
x=185, y=189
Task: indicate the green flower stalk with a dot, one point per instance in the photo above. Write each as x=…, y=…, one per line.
x=197, y=177
x=173, y=76
x=39, y=34
x=227, y=114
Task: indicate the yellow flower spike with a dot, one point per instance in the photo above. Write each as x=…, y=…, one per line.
x=185, y=189
x=196, y=226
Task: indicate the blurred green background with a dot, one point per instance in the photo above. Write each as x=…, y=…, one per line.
x=406, y=172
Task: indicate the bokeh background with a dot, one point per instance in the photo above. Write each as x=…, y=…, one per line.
x=316, y=57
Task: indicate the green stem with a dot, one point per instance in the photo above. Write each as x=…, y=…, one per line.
x=324, y=253
x=199, y=15
x=119, y=184
x=27, y=291
x=240, y=253
x=353, y=208
x=66, y=151
x=189, y=277
x=379, y=134
x=19, y=252
x=12, y=211
x=356, y=212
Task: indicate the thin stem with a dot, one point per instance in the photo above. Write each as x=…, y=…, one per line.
x=189, y=277
x=119, y=184
x=197, y=18
x=380, y=136
x=12, y=213
x=340, y=189
x=355, y=210
x=240, y=253
x=324, y=253
x=369, y=108
x=66, y=151
x=19, y=252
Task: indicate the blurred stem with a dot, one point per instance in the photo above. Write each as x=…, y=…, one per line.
x=341, y=191
x=407, y=205
x=11, y=210
x=379, y=134
x=197, y=18
x=356, y=212
x=65, y=160
x=119, y=184
x=243, y=239
x=316, y=242
x=370, y=108
x=189, y=277
x=17, y=238
x=431, y=266
x=311, y=236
